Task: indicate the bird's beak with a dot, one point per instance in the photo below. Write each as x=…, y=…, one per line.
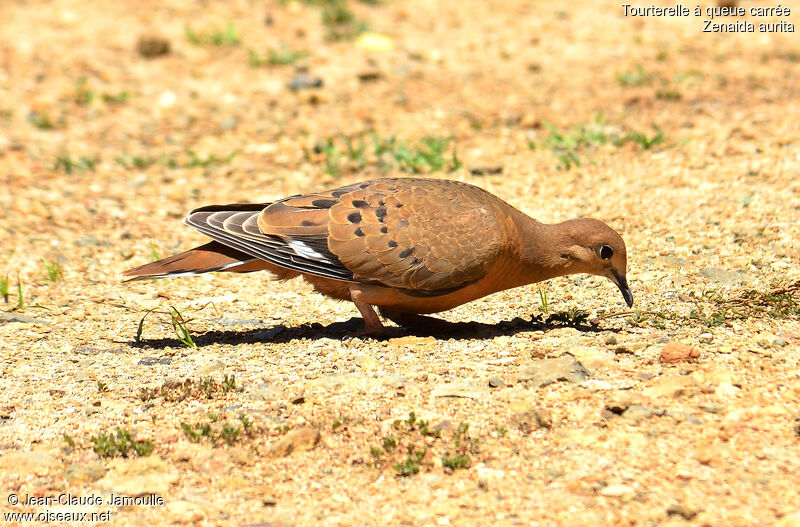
x=622, y=283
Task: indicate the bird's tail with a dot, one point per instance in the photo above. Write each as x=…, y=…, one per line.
x=212, y=256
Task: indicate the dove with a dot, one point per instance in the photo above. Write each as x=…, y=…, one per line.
x=406, y=246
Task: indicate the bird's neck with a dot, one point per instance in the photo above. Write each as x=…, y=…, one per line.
x=539, y=247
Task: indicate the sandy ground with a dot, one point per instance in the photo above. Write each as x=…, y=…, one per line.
x=683, y=410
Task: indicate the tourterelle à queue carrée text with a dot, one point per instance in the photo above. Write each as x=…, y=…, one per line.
x=711, y=14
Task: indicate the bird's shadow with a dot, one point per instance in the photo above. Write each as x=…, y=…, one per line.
x=342, y=330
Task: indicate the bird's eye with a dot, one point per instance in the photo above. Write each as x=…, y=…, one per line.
x=605, y=252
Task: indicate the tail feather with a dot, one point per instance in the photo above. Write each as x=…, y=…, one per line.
x=212, y=256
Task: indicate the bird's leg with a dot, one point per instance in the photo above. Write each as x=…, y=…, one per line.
x=372, y=323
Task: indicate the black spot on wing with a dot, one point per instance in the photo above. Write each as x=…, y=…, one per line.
x=384, y=229
x=360, y=203
x=324, y=203
x=392, y=244
x=354, y=217
x=380, y=213
x=359, y=232
x=306, y=223
x=338, y=193
x=405, y=253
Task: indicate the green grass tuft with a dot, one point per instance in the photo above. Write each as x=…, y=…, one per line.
x=216, y=37
x=207, y=160
x=55, y=271
x=340, y=21
x=116, y=98
x=84, y=96
x=281, y=56
x=4, y=288
x=544, y=300
x=644, y=140
x=68, y=165
x=179, y=325
x=216, y=431
x=637, y=77
x=41, y=120
x=573, y=316
x=20, y=296
x=120, y=443
x=202, y=388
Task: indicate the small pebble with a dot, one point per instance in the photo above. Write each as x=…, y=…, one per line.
x=485, y=170
x=533, y=419
x=681, y=510
x=151, y=47
x=712, y=408
x=305, y=81
x=675, y=352
x=496, y=382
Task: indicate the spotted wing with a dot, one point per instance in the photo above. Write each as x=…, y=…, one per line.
x=424, y=236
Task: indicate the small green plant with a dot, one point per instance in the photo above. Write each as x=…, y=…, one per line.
x=138, y=162
x=209, y=160
x=179, y=325
x=138, y=337
x=340, y=21
x=281, y=56
x=544, y=300
x=339, y=422
x=427, y=156
x=689, y=75
x=6, y=113
x=666, y=94
x=230, y=434
x=120, y=443
x=102, y=387
x=572, y=316
x=83, y=95
x=565, y=145
x=202, y=388
x=41, y=120
x=68, y=165
x=411, y=464
x=780, y=302
x=54, y=270
x=637, y=77
x=4, y=287
x=216, y=37
x=215, y=431
x=644, y=140
x=116, y=98
x=154, y=255
x=411, y=446
x=455, y=461
x=69, y=441
x=462, y=444
x=344, y=153
x=247, y=425
x=500, y=431
x=20, y=296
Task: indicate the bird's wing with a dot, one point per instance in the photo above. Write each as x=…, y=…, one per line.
x=424, y=236
x=237, y=226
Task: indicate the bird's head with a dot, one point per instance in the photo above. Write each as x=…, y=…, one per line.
x=590, y=246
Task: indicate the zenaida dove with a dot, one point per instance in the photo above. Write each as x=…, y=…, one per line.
x=405, y=245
